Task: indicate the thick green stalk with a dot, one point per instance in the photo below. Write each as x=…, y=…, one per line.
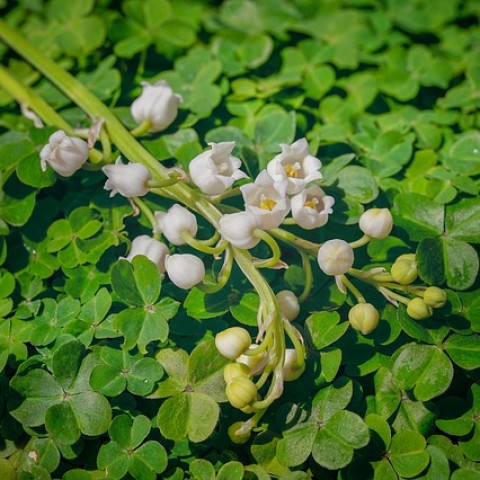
x=24, y=95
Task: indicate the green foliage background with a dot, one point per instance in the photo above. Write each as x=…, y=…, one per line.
x=109, y=375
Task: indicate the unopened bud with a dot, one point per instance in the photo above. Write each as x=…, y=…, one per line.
x=364, y=317
x=288, y=303
x=291, y=369
x=238, y=438
x=335, y=257
x=241, y=392
x=234, y=370
x=376, y=223
x=418, y=309
x=404, y=270
x=435, y=297
x=185, y=270
x=232, y=342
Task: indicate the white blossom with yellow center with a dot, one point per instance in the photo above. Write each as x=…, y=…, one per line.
x=266, y=200
x=311, y=207
x=296, y=166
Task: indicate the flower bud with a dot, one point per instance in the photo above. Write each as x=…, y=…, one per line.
x=238, y=438
x=291, y=369
x=376, y=223
x=418, y=309
x=404, y=270
x=174, y=222
x=288, y=303
x=232, y=342
x=435, y=297
x=238, y=228
x=153, y=249
x=364, y=317
x=335, y=257
x=64, y=154
x=130, y=180
x=240, y=392
x=157, y=104
x=215, y=170
x=185, y=270
x=251, y=361
x=234, y=370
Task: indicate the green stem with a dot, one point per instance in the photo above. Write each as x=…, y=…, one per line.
x=297, y=344
x=355, y=291
x=223, y=276
x=25, y=95
x=106, y=146
x=394, y=295
x=145, y=210
x=194, y=243
x=360, y=242
x=307, y=268
x=287, y=237
x=276, y=253
x=142, y=129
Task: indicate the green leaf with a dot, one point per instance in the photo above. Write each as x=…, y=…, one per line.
x=455, y=416
x=247, y=309
x=202, y=305
x=332, y=399
x=464, y=154
x=430, y=260
x=461, y=264
x=418, y=215
x=358, y=184
x=324, y=329
x=39, y=391
x=129, y=432
x=66, y=363
x=438, y=467
x=423, y=368
x=142, y=326
x=335, y=442
x=462, y=220
x=464, y=350
x=61, y=424
x=201, y=469
x=407, y=453
x=296, y=445
x=188, y=415
x=148, y=461
x=205, y=370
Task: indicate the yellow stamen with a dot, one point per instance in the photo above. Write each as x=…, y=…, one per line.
x=312, y=203
x=267, y=203
x=292, y=169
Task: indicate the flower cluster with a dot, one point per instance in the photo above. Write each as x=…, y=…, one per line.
x=289, y=185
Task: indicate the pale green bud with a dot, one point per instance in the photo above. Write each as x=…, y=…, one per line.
x=364, y=317
x=232, y=342
x=418, y=309
x=435, y=297
x=404, y=270
x=234, y=370
x=240, y=392
x=291, y=369
x=288, y=303
x=238, y=438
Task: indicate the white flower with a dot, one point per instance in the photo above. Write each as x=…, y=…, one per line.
x=157, y=104
x=288, y=303
x=295, y=165
x=129, y=180
x=174, y=222
x=232, y=342
x=376, y=223
x=335, y=257
x=215, y=170
x=64, y=154
x=153, y=249
x=238, y=229
x=311, y=207
x=267, y=200
x=185, y=270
